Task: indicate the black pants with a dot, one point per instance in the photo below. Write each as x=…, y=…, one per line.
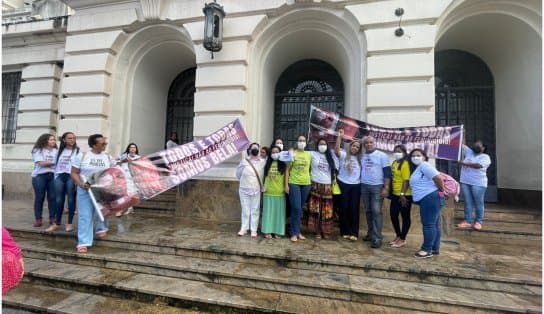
x=349, y=208
x=395, y=209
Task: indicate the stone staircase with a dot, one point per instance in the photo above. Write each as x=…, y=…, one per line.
x=164, y=203
x=178, y=265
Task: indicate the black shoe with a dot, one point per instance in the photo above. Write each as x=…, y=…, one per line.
x=376, y=244
x=436, y=252
x=367, y=238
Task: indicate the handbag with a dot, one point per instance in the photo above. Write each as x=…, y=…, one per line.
x=335, y=187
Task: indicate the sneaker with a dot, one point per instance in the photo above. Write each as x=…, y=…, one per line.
x=367, y=238
x=464, y=225
x=353, y=238
x=52, y=228
x=436, y=252
x=399, y=243
x=478, y=226
x=69, y=227
x=376, y=244
x=423, y=254
x=394, y=241
x=345, y=236
x=38, y=223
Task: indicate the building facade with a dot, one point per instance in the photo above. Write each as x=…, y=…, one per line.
x=136, y=70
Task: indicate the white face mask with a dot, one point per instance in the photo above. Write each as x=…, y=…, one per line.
x=275, y=156
x=322, y=148
x=417, y=160
x=398, y=156
x=301, y=145
x=280, y=146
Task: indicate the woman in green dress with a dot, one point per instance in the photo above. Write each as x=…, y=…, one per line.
x=273, y=222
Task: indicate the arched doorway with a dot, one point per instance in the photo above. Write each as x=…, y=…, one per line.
x=180, y=106
x=464, y=91
x=304, y=84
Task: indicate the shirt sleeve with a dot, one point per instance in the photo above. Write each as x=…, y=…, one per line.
x=112, y=161
x=467, y=151
x=240, y=168
x=428, y=170
x=37, y=156
x=484, y=161
x=76, y=160
x=384, y=160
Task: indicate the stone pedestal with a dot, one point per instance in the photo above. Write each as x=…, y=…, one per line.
x=209, y=199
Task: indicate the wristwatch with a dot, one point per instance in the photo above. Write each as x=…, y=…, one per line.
x=401, y=193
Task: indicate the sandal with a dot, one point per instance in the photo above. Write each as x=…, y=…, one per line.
x=277, y=236
x=301, y=237
x=399, y=244
x=101, y=235
x=268, y=236
x=82, y=249
x=242, y=233
x=294, y=239
x=423, y=254
x=318, y=237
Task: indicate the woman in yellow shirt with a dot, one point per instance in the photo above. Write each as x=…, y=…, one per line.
x=401, y=195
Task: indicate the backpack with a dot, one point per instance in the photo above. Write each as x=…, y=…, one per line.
x=451, y=186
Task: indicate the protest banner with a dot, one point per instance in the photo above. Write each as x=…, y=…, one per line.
x=163, y=170
x=441, y=142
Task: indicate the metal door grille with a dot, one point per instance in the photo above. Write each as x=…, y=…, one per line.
x=180, y=110
x=11, y=85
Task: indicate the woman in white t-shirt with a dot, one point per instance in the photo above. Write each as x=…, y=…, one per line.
x=319, y=217
x=474, y=183
x=349, y=180
x=64, y=185
x=83, y=166
x=427, y=192
x=130, y=154
x=44, y=153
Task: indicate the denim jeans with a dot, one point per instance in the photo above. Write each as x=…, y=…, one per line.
x=86, y=219
x=65, y=187
x=250, y=211
x=350, y=199
x=43, y=184
x=373, y=202
x=429, y=211
x=474, y=198
x=298, y=194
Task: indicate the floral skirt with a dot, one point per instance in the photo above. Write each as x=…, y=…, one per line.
x=318, y=216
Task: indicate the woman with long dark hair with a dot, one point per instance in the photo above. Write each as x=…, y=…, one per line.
x=319, y=217
x=64, y=185
x=273, y=222
x=349, y=180
x=428, y=192
x=401, y=195
x=44, y=155
x=130, y=154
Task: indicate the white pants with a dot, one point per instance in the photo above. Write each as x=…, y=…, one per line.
x=250, y=211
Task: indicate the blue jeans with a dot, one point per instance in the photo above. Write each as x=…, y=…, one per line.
x=65, y=187
x=474, y=198
x=429, y=211
x=298, y=194
x=86, y=218
x=42, y=184
x=373, y=202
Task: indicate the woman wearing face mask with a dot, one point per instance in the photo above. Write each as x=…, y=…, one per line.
x=428, y=192
x=64, y=185
x=401, y=195
x=349, y=179
x=320, y=206
x=274, y=196
x=297, y=185
x=474, y=183
x=250, y=172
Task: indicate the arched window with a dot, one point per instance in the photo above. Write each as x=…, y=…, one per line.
x=301, y=85
x=181, y=106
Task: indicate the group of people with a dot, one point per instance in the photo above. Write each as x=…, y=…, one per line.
x=301, y=179
x=60, y=173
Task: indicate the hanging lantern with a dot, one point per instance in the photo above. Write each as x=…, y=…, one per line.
x=213, y=26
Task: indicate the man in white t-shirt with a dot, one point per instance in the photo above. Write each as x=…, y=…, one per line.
x=83, y=166
x=375, y=179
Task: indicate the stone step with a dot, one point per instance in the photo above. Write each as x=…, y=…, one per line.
x=507, y=216
x=280, y=271
x=213, y=297
x=363, y=291
x=33, y=297
x=505, y=230
x=157, y=205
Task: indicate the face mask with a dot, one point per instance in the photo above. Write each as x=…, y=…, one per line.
x=417, y=160
x=477, y=149
x=275, y=156
x=398, y=156
x=255, y=152
x=280, y=146
x=322, y=148
x=301, y=145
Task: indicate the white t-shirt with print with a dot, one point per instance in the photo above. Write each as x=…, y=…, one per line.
x=319, y=168
x=372, y=167
x=471, y=176
x=344, y=175
x=43, y=155
x=64, y=163
x=92, y=163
